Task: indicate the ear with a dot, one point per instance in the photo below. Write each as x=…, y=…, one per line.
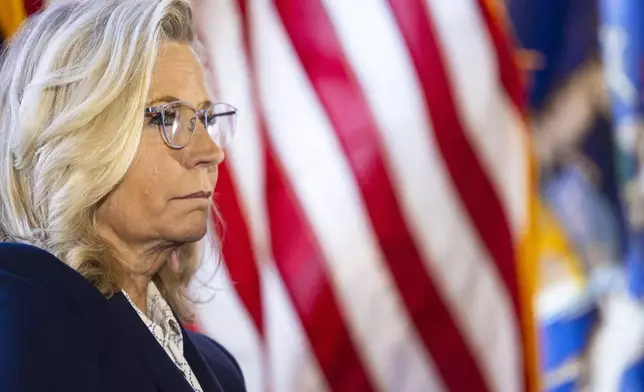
x=175, y=264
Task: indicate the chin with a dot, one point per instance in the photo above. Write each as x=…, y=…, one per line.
x=189, y=231
x=191, y=237
x=195, y=234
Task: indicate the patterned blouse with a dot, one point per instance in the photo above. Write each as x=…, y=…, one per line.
x=165, y=328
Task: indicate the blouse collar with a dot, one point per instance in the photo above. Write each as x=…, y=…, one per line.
x=158, y=316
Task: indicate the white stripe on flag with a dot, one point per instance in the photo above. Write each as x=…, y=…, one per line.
x=307, y=147
x=291, y=364
x=224, y=318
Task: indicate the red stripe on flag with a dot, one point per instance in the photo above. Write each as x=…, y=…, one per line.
x=302, y=267
x=32, y=6
x=508, y=70
x=473, y=185
x=238, y=248
x=322, y=56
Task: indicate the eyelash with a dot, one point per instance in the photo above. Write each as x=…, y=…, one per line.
x=155, y=119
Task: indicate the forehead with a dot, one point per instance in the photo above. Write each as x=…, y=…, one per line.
x=178, y=73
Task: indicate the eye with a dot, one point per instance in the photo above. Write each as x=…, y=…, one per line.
x=170, y=117
x=155, y=119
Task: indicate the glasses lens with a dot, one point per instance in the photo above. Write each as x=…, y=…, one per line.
x=222, y=120
x=180, y=124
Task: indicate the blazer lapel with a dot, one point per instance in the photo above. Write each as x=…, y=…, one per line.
x=199, y=366
x=141, y=343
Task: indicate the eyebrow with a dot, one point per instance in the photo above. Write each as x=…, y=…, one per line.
x=170, y=98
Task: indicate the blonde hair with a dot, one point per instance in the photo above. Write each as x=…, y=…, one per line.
x=73, y=85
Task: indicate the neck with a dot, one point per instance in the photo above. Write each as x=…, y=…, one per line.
x=142, y=261
x=142, y=269
x=136, y=287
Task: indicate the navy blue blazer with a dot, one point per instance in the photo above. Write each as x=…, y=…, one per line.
x=58, y=333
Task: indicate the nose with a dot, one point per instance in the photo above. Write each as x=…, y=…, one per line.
x=202, y=151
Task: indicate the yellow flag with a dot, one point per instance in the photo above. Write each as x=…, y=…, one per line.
x=11, y=16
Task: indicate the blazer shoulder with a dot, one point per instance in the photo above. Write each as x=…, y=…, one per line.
x=23, y=293
x=37, y=265
x=222, y=363
x=32, y=309
x=50, y=274
x=40, y=335
x=43, y=296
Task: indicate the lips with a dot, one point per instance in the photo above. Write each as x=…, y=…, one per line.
x=197, y=195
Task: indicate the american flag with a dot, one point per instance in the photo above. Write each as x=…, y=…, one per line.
x=380, y=230
x=377, y=199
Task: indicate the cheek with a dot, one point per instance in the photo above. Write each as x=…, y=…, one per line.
x=154, y=188
x=149, y=181
x=154, y=169
x=138, y=207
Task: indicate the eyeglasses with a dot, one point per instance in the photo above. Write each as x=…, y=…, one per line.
x=178, y=121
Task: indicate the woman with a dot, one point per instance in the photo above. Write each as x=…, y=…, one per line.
x=108, y=161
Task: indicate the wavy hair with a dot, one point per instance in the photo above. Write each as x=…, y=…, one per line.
x=73, y=85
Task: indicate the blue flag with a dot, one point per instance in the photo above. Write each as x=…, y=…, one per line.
x=622, y=42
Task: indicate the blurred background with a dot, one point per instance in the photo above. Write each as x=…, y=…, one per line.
x=426, y=195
